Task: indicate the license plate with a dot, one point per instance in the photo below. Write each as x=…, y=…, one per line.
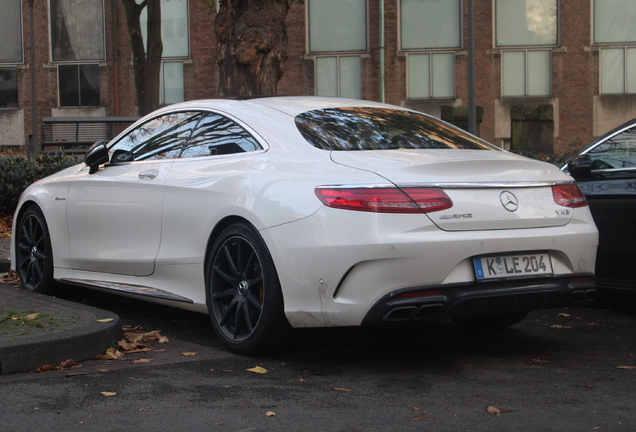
x=512, y=266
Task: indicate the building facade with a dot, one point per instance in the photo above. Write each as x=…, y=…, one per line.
x=550, y=74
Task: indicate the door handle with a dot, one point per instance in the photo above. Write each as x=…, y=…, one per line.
x=148, y=175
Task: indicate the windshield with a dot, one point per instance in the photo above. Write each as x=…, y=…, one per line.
x=364, y=128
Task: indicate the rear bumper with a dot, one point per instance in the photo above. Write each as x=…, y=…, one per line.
x=483, y=299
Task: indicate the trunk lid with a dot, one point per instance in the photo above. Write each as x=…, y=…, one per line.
x=489, y=189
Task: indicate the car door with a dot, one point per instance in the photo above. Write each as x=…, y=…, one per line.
x=611, y=193
x=209, y=177
x=114, y=215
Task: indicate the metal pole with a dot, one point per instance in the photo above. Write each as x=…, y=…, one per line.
x=472, y=105
x=34, y=109
x=382, y=90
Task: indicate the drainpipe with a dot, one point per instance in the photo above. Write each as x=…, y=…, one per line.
x=34, y=108
x=472, y=105
x=382, y=51
x=115, y=68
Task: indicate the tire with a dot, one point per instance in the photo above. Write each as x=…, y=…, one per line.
x=244, y=296
x=492, y=322
x=34, y=252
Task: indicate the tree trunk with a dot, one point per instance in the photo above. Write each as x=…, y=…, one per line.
x=252, y=41
x=146, y=67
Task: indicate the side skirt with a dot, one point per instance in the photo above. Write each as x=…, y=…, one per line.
x=132, y=289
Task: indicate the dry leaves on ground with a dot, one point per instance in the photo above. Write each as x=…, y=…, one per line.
x=258, y=369
x=559, y=326
x=494, y=410
x=5, y=225
x=133, y=342
x=64, y=365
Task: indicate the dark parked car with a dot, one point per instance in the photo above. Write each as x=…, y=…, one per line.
x=606, y=173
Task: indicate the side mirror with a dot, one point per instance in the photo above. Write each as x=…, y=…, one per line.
x=580, y=167
x=122, y=156
x=95, y=156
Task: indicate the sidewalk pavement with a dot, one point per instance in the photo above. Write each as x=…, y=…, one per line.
x=62, y=330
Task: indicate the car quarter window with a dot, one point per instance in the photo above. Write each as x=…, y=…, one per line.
x=160, y=138
x=617, y=152
x=218, y=135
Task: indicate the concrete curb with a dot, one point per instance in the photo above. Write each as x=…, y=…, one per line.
x=78, y=340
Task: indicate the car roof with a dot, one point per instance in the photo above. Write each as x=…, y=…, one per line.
x=291, y=105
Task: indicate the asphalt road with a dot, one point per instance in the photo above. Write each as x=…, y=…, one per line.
x=559, y=370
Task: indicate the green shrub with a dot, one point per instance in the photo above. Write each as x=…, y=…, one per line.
x=16, y=173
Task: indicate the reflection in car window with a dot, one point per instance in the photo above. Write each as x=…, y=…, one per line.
x=218, y=135
x=382, y=129
x=160, y=138
x=617, y=152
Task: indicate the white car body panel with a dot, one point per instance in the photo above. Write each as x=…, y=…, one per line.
x=333, y=264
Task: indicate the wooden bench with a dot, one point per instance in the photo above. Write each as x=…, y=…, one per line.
x=76, y=134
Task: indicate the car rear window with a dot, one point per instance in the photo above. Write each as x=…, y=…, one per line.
x=368, y=128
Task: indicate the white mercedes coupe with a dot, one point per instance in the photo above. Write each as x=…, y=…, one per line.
x=283, y=212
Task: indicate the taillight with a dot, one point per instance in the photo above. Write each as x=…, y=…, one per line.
x=568, y=195
x=385, y=200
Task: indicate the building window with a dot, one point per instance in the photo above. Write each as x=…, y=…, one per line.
x=176, y=44
x=77, y=30
x=8, y=88
x=431, y=75
x=522, y=24
x=171, y=83
x=78, y=85
x=526, y=73
x=339, y=76
x=430, y=24
x=426, y=25
x=338, y=26
x=613, y=27
x=11, y=31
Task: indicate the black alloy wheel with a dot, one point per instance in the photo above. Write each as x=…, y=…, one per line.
x=33, y=251
x=245, y=301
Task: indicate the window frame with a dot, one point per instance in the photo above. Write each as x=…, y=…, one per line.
x=431, y=76
x=13, y=69
x=21, y=37
x=529, y=46
x=325, y=53
x=431, y=49
x=78, y=61
x=337, y=56
x=526, y=95
x=77, y=65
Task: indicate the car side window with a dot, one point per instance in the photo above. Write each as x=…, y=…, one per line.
x=218, y=135
x=160, y=138
x=617, y=152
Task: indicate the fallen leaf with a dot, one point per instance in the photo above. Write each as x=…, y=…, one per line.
x=626, y=367
x=66, y=364
x=270, y=414
x=32, y=316
x=494, y=410
x=46, y=368
x=75, y=374
x=539, y=361
x=422, y=417
x=416, y=409
x=144, y=409
x=108, y=393
x=559, y=326
x=142, y=361
x=141, y=350
x=564, y=314
x=342, y=389
x=258, y=369
x=164, y=339
x=302, y=380
x=188, y=353
x=105, y=320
